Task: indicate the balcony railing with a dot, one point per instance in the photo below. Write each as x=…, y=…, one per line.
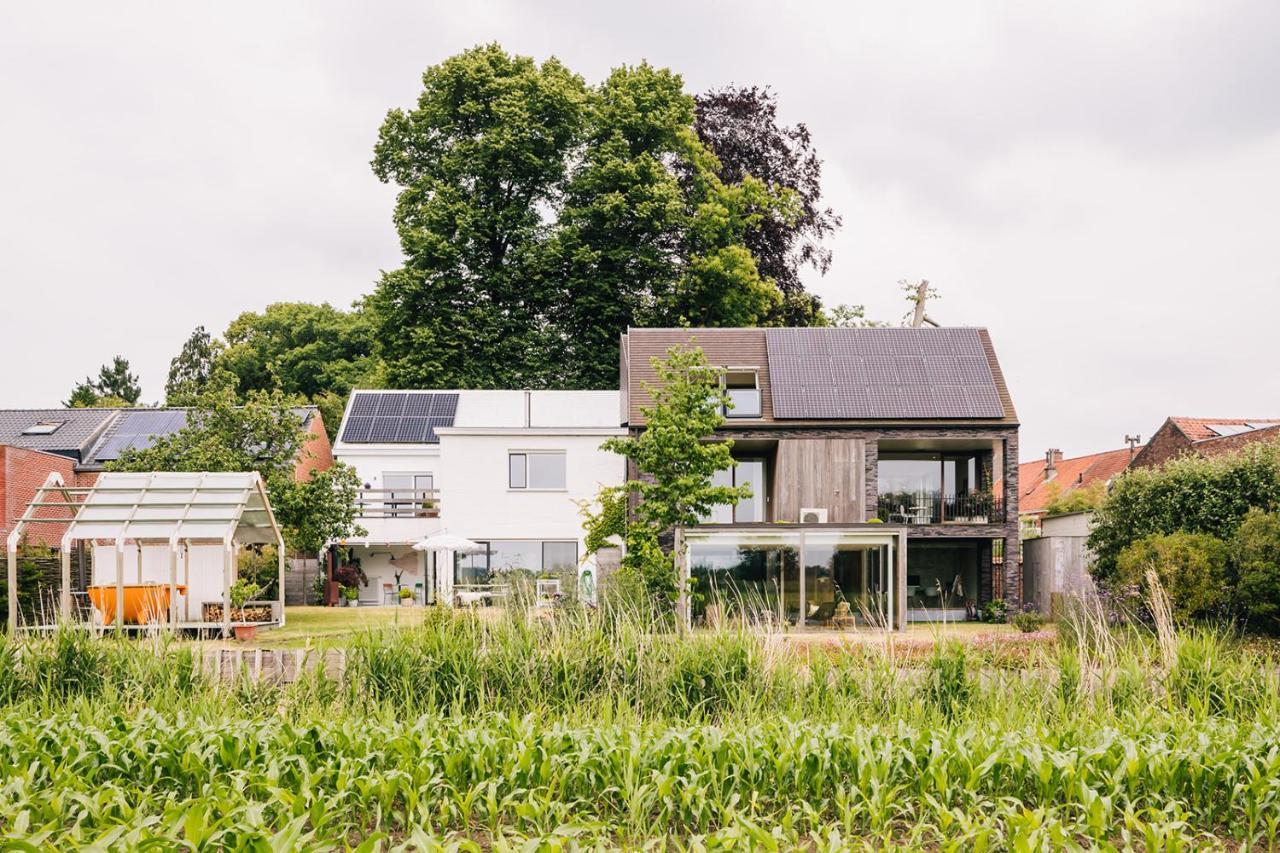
x=939, y=509
x=398, y=503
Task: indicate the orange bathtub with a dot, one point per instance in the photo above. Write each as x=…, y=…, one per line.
x=143, y=603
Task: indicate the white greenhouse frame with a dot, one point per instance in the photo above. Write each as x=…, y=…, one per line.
x=171, y=509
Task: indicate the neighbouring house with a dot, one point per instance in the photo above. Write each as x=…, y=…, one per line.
x=78, y=444
x=1204, y=437
x=1054, y=477
x=883, y=464
x=504, y=469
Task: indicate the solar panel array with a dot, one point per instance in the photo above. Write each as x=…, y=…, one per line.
x=881, y=373
x=138, y=430
x=398, y=417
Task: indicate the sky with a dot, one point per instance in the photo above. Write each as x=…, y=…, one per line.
x=1096, y=183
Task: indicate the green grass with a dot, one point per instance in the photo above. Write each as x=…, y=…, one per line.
x=335, y=625
x=594, y=730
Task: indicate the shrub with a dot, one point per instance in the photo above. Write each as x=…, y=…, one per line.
x=1195, y=495
x=948, y=687
x=1257, y=553
x=1193, y=567
x=1028, y=621
x=995, y=610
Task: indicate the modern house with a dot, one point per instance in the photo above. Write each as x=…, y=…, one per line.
x=883, y=466
x=504, y=469
x=1204, y=437
x=78, y=444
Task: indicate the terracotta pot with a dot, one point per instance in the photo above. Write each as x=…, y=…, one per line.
x=246, y=632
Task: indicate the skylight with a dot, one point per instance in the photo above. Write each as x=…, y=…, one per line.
x=43, y=428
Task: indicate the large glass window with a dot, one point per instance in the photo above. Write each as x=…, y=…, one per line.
x=544, y=470
x=928, y=488
x=748, y=472
x=757, y=575
x=505, y=555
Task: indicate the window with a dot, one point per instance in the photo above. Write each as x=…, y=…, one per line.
x=748, y=472
x=536, y=470
x=743, y=389
x=43, y=428
x=506, y=555
x=408, y=495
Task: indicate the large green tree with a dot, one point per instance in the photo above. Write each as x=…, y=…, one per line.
x=675, y=463
x=650, y=235
x=540, y=217
x=192, y=369
x=739, y=124
x=478, y=160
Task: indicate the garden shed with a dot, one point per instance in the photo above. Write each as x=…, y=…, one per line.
x=165, y=546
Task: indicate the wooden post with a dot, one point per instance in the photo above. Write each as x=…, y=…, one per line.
x=119, y=586
x=65, y=598
x=13, y=587
x=173, y=583
x=227, y=557
x=186, y=580
x=280, y=587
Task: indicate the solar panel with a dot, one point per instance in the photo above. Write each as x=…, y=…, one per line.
x=1230, y=429
x=881, y=373
x=139, y=430
x=398, y=417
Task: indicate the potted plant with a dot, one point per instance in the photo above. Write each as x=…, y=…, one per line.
x=242, y=592
x=406, y=597
x=351, y=595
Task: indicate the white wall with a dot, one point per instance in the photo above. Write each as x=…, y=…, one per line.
x=478, y=503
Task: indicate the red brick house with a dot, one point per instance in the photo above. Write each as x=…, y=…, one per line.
x=1040, y=481
x=78, y=444
x=1204, y=437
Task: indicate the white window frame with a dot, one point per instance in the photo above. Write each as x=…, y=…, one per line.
x=511, y=487
x=726, y=411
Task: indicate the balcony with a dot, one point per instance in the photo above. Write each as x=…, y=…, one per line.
x=398, y=503
x=972, y=508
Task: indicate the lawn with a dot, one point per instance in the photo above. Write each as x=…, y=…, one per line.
x=335, y=625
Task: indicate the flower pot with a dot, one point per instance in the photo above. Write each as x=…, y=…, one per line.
x=406, y=602
x=350, y=602
x=245, y=633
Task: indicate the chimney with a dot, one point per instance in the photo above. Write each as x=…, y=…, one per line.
x=1052, y=457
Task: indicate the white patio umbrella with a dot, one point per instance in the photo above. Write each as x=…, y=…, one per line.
x=446, y=543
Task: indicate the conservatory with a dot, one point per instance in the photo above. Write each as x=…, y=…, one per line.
x=165, y=548
x=837, y=576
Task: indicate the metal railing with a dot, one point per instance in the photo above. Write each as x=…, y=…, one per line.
x=398, y=503
x=974, y=508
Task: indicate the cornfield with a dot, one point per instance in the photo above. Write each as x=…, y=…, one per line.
x=597, y=733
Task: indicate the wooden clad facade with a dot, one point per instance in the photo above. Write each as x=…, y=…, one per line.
x=820, y=472
x=722, y=347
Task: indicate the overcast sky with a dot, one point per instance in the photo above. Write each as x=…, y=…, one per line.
x=1099, y=184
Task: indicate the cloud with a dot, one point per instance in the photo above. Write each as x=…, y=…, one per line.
x=1093, y=182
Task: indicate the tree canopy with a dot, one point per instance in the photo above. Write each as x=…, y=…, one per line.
x=540, y=216
x=115, y=386
x=192, y=369
x=739, y=124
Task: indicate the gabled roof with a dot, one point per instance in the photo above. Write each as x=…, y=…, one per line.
x=1080, y=472
x=1208, y=429
x=96, y=436
x=77, y=430
x=862, y=375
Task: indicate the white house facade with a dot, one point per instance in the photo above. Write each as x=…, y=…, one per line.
x=505, y=469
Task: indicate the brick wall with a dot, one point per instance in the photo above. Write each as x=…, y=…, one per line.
x=1169, y=442
x=22, y=473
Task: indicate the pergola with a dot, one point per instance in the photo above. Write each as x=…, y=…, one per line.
x=167, y=510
